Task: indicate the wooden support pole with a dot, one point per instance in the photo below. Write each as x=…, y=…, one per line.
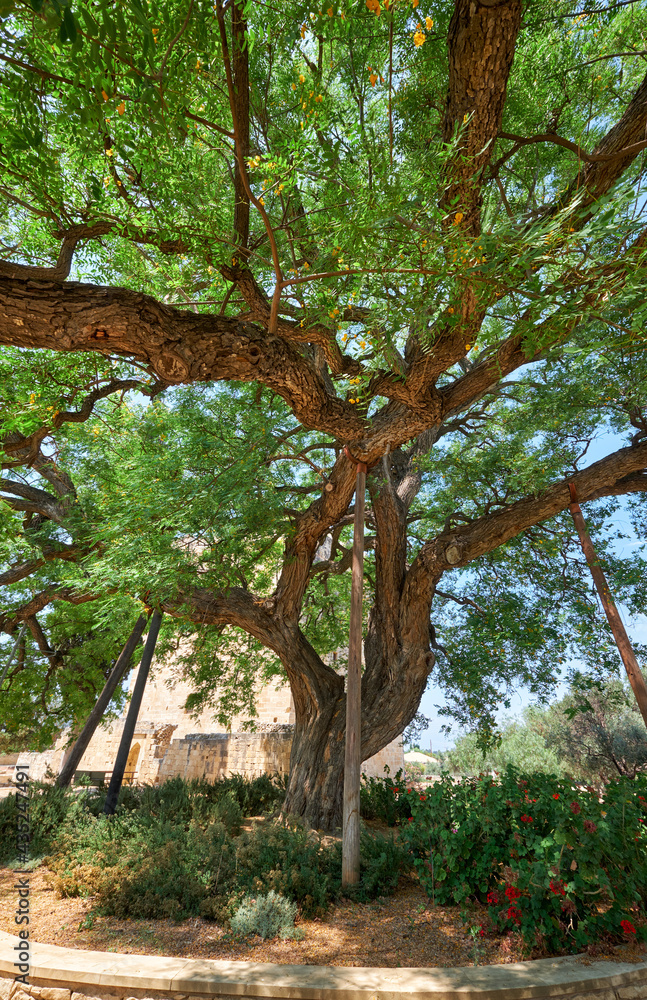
x=131, y=718
x=73, y=759
x=634, y=672
x=352, y=756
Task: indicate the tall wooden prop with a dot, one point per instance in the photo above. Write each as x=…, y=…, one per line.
x=121, y=666
x=131, y=718
x=634, y=672
x=352, y=758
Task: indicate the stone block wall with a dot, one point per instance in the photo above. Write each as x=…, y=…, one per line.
x=392, y=756
x=218, y=755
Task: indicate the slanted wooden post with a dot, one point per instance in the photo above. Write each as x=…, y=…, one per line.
x=121, y=666
x=131, y=718
x=634, y=672
x=352, y=757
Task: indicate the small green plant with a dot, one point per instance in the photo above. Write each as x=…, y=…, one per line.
x=269, y=916
x=477, y=950
x=88, y=922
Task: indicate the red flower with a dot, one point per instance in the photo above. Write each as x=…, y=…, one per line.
x=481, y=930
x=512, y=893
x=514, y=914
x=576, y=808
x=557, y=887
x=411, y=819
x=627, y=927
x=493, y=898
x=556, y=795
x=589, y=826
x=525, y=818
x=423, y=798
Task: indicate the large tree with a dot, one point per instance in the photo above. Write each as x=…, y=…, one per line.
x=420, y=228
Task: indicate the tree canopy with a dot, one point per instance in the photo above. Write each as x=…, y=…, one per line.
x=245, y=247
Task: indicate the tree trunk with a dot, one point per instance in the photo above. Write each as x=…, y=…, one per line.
x=316, y=783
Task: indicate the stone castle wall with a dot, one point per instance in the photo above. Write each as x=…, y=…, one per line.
x=171, y=742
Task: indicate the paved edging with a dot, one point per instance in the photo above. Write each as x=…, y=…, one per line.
x=78, y=971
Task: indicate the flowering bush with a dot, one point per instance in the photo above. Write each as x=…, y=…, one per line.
x=556, y=864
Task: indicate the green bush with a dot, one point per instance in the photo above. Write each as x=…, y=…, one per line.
x=176, y=850
x=556, y=864
x=379, y=799
x=269, y=916
x=52, y=809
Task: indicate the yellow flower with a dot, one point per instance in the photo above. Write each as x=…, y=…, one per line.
x=303, y=30
x=306, y=266
x=302, y=79
x=419, y=39
x=429, y=21
x=374, y=5
x=261, y=201
x=330, y=12
x=458, y=218
x=109, y=152
x=450, y=310
x=294, y=86
x=318, y=98
x=373, y=79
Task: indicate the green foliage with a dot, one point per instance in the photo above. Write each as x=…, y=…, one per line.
x=176, y=802
x=548, y=858
x=177, y=850
x=593, y=733
x=269, y=916
x=518, y=746
x=379, y=799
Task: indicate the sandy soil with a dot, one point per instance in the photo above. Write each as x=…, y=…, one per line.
x=400, y=930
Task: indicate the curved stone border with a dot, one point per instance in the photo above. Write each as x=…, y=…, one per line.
x=88, y=973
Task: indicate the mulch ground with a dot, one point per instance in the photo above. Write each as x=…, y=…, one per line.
x=400, y=930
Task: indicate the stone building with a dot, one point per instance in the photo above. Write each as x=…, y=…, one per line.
x=169, y=742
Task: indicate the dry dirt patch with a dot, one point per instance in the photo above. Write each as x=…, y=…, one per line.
x=400, y=930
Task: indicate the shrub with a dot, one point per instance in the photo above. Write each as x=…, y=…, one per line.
x=176, y=851
x=379, y=799
x=269, y=916
x=556, y=864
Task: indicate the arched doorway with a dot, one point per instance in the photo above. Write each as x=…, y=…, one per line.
x=131, y=764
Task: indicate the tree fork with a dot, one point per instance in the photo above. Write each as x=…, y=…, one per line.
x=625, y=649
x=352, y=755
x=131, y=718
x=118, y=671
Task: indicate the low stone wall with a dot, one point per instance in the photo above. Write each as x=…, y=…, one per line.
x=69, y=974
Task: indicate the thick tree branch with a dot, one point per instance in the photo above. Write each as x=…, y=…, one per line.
x=178, y=346
x=35, y=500
x=21, y=570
